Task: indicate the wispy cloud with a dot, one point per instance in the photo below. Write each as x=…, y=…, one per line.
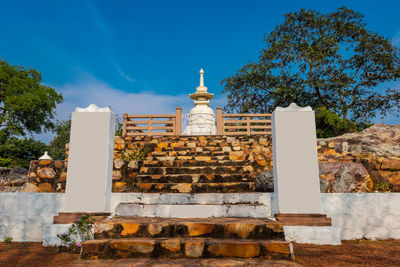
x=123, y=74
x=97, y=19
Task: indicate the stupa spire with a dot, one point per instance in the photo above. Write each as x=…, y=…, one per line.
x=201, y=77
x=201, y=96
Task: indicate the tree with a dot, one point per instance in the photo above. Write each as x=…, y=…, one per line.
x=57, y=145
x=322, y=60
x=63, y=129
x=19, y=152
x=25, y=104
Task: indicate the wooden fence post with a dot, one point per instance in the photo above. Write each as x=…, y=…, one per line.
x=220, y=125
x=150, y=126
x=178, y=121
x=124, y=124
x=248, y=129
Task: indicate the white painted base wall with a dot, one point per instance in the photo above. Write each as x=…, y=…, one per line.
x=359, y=215
x=23, y=215
x=319, y=235
x=364, y=215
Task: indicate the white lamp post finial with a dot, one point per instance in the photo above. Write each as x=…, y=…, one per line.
x=45, y=156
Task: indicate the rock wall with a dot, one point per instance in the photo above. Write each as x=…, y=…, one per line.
x=368, y=161
x=46, y=176
x=365, y=161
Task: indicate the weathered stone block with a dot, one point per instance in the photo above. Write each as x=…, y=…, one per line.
x=46, y=173
x=391, y=164
x=142, y=246
x=45, y=187
x=155, y=228
x=182, y=188
x=130, y=228
x=241, y=229
x=277, y=247
x=235, y=249
x=199, y=229
x=172, y=245
x=194, y=249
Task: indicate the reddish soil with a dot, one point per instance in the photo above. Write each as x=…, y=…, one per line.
x=33, y=254
x=350, y=253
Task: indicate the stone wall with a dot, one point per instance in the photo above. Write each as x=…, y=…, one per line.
x=47, y=176
x=362, y=162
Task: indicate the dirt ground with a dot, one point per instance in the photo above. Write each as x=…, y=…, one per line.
x=351, y=253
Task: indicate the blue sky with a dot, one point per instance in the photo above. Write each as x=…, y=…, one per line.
x=144, y=56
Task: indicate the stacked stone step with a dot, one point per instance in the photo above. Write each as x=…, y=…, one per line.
x=127, y=237
x=184, y=164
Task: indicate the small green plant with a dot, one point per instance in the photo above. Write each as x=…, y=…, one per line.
x=139, y=154
x=382, y=186
x=79, y=232
x=7, y=239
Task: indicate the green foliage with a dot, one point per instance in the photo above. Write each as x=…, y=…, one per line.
x=25, y=104
x=19, y=151
x=138, y=154
x=7, y=239
x=383, y=186
x=63, y=130
x=329, y=124
x=79, y=232
x=118, y=130
x=322, y=60
x=57, y=145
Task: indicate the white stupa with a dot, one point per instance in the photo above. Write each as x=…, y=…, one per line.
x=202, y=117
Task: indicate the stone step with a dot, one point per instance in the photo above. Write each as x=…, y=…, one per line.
x=237, y=228
x=217, y=147
x=193, y=211
x=197, y=170
x=191, y=199
x=232, y=187
x=180, y=247
x=195, y=163
x=194, y=178
x=209, y=159
x=304, y=219
x=71, y=217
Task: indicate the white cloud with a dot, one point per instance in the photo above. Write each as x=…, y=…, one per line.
x=88, y=90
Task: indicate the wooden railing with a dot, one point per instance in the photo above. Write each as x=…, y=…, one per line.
x=243, y=124
x=152, y=125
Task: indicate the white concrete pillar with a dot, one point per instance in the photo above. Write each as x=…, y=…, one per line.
x=90, y=161
x=296, y=176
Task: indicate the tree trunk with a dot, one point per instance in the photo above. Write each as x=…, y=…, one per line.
x=345, y=115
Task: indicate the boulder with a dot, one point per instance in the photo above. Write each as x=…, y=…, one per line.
x=342, y=177
x=265, y=181
x=335, y=177
x=379, y=139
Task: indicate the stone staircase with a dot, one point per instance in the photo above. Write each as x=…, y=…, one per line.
x=197, y=200
x=132, y=237
x=202, y=165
